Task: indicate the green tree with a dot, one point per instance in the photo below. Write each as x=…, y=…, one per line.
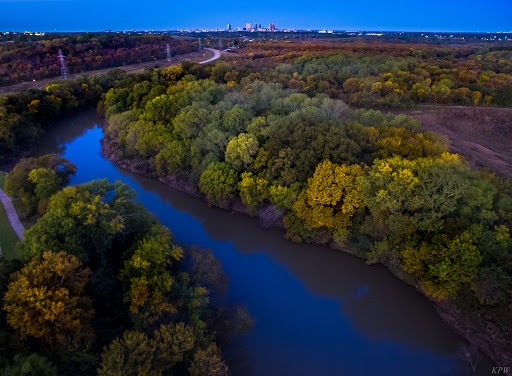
x=445, y=265
x=253, y=191
x=77, y=220
x=161, y=109
x=52, y=173
x=191, y=120
x=284, y=197
x=31, y=365
x=405, y=196
x=170, y=159
x=147, y=275
x=241, y=151
x=236, y=119
x=219, y=183
x=219, y=71
x=46, y=184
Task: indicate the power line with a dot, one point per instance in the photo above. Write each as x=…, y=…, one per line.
x=168, y=49
x=63, y=69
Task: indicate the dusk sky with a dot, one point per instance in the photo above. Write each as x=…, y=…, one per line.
x=97, y=15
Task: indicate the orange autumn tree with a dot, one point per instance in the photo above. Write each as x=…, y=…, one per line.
x=46, y=300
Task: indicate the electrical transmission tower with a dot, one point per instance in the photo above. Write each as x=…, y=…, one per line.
x=200, y=46
x=63, y=69
x=168, y=49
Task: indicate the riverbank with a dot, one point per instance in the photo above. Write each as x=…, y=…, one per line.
x=316, y=310
x=477, y=335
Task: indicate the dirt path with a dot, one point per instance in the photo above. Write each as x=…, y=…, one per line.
x=209, y=55
x=14, y=220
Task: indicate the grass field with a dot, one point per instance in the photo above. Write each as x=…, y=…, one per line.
x=482, y=134
x=8, y=238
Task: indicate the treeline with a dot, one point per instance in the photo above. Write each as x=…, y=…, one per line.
x=330, y=175
x=25, y=115
x=102, y=288
x=387, y=75
x=26, y=59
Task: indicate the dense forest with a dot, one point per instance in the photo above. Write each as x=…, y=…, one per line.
x=392, y=75
x=24, y=58
x=101, y=287
x=279, y=141
x=329, y=175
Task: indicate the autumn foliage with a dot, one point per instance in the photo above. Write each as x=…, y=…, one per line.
x=46, y=300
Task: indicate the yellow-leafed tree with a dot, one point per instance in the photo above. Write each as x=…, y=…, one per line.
x=46, y=300
x=331, y=197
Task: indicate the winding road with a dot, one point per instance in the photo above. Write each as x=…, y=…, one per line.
x=216, y=55
x=14, y=220
x=130, y=68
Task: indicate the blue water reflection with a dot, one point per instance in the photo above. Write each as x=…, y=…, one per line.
x=315, y=314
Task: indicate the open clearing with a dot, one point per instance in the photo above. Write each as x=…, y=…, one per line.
x=482, y=134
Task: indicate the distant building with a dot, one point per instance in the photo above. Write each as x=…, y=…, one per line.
x=248, y=26
x=229, y=27
x=255, y=26
x=259, y=26
x=272, y=26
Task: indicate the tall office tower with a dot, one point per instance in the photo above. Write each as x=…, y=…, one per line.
x=255, y=26
x=248, y=26
x=259, y=26
x=272, y=26
x=229, y=27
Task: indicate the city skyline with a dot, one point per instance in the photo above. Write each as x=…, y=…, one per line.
x=399, y=15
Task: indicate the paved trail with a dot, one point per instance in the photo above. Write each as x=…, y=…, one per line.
x=14, y=220
x=216, y=55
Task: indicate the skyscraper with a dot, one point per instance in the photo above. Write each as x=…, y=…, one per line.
x=248, y=26
x=272, y=26
x=255, y=26
x=229, y=27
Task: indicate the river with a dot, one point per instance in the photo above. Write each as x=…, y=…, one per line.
x=317, y=311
